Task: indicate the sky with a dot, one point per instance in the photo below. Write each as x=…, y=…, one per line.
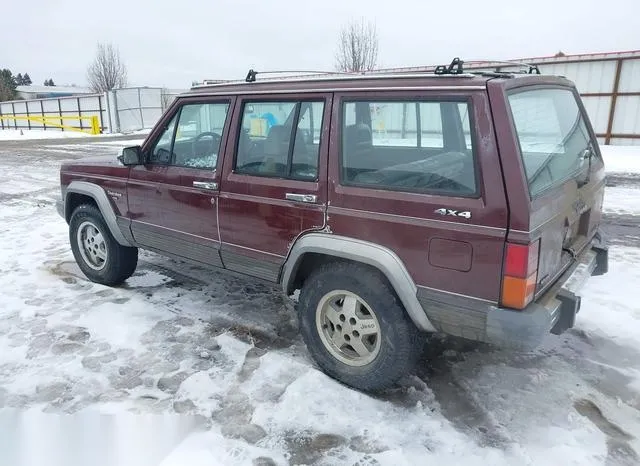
x=172, y=44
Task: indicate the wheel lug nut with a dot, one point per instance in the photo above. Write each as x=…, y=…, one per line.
x=352, y=321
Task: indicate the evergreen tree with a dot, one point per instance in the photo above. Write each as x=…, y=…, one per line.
x=7, y=85
x=26, y=80
x=19, y=80
x=51, y=82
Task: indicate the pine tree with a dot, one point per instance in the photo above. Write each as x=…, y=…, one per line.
x=26, y=80
x=19, y=79
x=51, y=82
x=7, y=85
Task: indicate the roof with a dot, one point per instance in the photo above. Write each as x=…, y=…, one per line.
x=53, y=89
x=336, y=82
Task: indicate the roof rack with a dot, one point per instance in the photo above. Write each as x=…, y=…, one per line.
x=455, y=68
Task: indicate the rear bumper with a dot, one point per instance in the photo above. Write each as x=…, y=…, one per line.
x=555, y=312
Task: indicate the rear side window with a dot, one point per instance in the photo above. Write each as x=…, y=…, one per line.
x=553, y=136
x=412, y=145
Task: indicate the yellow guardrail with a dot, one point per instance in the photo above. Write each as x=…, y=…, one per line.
x=58, y=122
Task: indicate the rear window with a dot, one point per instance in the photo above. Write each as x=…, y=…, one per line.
x=553, y=136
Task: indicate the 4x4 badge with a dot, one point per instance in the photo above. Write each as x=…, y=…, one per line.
x=466, y=214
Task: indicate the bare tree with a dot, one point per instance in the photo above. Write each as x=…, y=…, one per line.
x=357, y=46
x=107, y=71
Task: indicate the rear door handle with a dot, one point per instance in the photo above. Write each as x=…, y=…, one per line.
x=309, y=198
x=208, y=185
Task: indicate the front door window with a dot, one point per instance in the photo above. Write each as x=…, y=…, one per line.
x=195, y=140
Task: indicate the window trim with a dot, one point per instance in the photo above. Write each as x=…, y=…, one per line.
x=417, y=99
x=179, y=105
x=512, y=123
x=249, y=100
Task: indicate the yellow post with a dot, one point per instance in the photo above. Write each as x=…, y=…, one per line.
x=95, y=125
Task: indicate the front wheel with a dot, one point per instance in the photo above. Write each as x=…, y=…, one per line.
x=100, y=257
x=355, y=328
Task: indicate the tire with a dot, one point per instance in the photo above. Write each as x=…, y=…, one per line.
x=392, y=353
x=100, y=257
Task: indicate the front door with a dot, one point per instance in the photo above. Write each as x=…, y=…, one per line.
x=273, y=181
x=173, y=196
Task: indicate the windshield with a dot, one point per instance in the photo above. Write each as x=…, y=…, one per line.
x=554, y=141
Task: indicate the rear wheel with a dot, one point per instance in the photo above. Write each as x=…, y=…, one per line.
x=355, y=327
x=100, y=257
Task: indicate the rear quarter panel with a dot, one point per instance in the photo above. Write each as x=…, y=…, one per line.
x=450, y=254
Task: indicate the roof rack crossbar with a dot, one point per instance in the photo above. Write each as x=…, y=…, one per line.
x=531, y=68
x=251, y=75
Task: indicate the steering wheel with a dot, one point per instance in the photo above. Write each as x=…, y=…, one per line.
x=215, y=142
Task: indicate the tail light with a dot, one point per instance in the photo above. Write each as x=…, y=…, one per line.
x=520, y=275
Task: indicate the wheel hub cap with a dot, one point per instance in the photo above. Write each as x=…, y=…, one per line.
x=348, y=328
x=92, y=245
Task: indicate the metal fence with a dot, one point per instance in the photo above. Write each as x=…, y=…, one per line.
x=118, y=111
x=55, y=114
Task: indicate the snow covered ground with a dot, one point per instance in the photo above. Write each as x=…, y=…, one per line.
x=183, y=366
x=621, y=159
x=25, y=134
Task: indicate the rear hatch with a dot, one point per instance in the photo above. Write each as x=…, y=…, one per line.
x=561, y=175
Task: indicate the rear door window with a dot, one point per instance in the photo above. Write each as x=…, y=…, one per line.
x=280, y=139
x=412, y=145
x=555, y=143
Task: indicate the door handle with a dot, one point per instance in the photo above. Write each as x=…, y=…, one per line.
x=208, y=185
x=310, y=198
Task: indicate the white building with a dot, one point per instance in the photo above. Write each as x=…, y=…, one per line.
x=44, y=92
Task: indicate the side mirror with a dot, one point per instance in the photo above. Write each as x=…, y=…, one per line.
x=131, y=156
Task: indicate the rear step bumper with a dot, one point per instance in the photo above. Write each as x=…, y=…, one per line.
x=555, y=312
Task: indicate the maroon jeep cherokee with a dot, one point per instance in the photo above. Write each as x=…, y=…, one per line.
x=460, y=203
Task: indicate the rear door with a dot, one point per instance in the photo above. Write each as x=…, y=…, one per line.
x=553, y=169
x=409, y=171
x=273, y=184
